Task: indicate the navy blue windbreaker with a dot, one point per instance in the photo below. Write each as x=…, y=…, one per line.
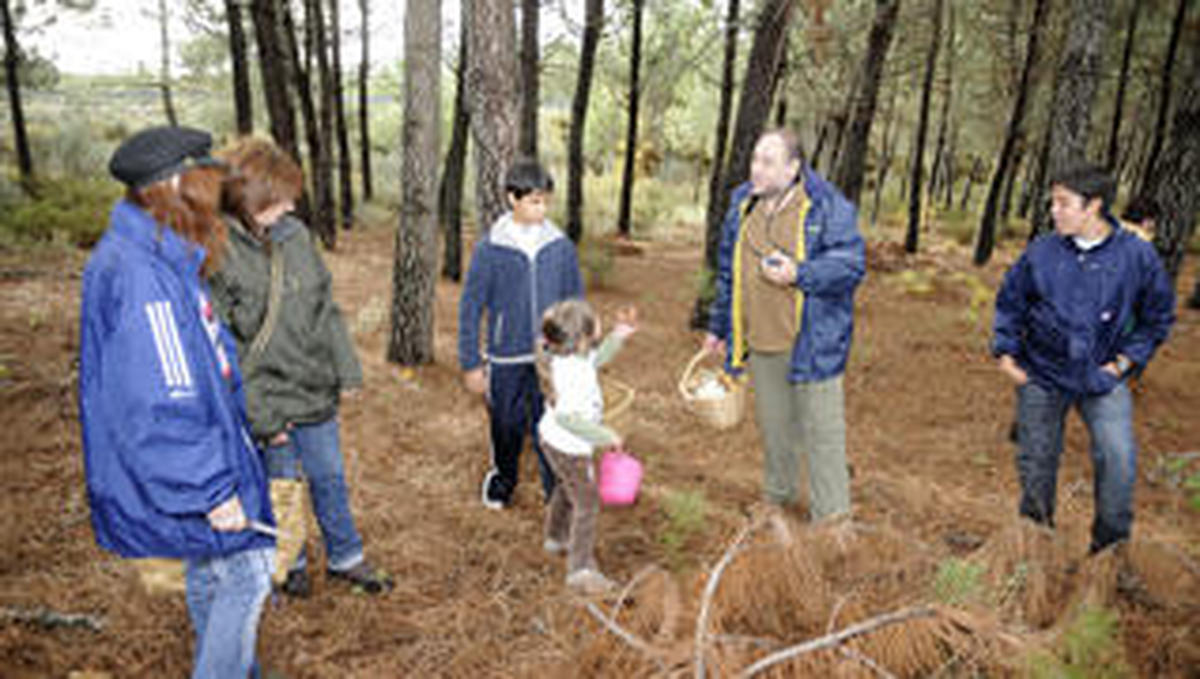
x=1064, y=312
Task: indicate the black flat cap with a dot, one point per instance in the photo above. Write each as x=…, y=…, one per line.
x=157, y=153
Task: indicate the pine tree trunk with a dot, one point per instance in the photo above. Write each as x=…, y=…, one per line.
x=1178, y=174
x=1012, y=135
x=346, y=190
x=316, y=219
x=966, y=195
x=364, y=119
x=274, y=61
x=1010, y=182
x=593, y=21
x=1075, y=84
x=754, y=105
x=1150, y=169
x=322, y=154
x=848, y=175
x=624, y=219
x=491, y=94
x=939, y=174
x=415, y=266
x=450, y=193
x=1119, y=107
x=712, y=230
x=530, y=15
x=12, y=65
x=242, y=101
x=164, y=75
x=917, y=168
x=885, y=157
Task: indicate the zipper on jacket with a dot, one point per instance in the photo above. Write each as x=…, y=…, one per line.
x=533, y=312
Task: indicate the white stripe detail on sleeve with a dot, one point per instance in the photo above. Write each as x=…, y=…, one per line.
x=166, y=341
x=180, y=357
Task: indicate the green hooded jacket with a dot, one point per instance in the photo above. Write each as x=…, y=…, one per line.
x=295, y=372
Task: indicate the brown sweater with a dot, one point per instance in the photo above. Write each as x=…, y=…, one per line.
x=769, y=309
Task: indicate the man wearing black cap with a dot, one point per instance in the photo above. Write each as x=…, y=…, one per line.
x=170, y=469
x=1080, y=310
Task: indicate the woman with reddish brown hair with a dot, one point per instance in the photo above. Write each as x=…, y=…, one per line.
x=171, y=470
x=275, y=294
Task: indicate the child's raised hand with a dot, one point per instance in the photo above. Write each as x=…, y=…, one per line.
x=626, y=321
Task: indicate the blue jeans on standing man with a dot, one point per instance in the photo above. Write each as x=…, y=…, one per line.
x=316, y=448
x=225, y=596
x=1041, y=413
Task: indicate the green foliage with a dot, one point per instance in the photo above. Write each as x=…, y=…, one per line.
x=960, y=226
x=959, y=581
x=1089, y=648
x=686, y=512
x=596, y=260
x=69, y=209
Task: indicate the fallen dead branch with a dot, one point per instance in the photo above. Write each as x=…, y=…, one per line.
x=831, y=640
x=51, y=619
x=710, y=590
x=627, y=636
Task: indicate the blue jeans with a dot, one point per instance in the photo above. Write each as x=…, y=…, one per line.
x=317, y=449
x=225, y=596
x=1041, y=413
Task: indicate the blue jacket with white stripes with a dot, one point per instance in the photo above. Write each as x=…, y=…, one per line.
x=160, y=400
x=514, y=287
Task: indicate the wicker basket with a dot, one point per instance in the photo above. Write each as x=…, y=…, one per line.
x=618, y=404
x=720, y=413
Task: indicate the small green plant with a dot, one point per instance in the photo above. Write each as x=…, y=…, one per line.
x=686, y=512
x=1089, y=648
x=596, y=260
x=959, y=581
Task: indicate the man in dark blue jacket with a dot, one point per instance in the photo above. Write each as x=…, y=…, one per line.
x=1080, y=310
x=790, y=260
x=171, y=470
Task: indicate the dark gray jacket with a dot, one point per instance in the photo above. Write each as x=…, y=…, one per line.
x=297, y=374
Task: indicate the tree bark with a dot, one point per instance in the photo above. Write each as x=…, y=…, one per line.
x=1164, y=99
x=1178, y=173
x=624, y=219
x=939, y=173
x=242, y=101
x=364, y=120
x=414, y=270
x=491, y=94
x=1119, y=107
x=917, y=169
x=346, y=190
x=165, y=67
x=1075, y=87
x=593, y=21
x=1012, y=135
x=712, y=221
x=323, y=156
x=754, y=104
x=530, y=15
x=885, y=157
x=274, y=61
x=848, y=175
x=12, y=67
x=451, y=190
x=321, y=214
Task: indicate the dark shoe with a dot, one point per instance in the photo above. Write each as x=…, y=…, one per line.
x=297, y=584
x=365, y=578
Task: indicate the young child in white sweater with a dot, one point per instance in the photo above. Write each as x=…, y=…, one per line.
x=572, y=427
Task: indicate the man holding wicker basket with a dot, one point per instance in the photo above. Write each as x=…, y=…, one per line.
x=790, y=260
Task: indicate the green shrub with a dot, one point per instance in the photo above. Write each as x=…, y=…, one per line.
x=1089, y=648
x=959, y=581
x=686, y=512
x=71, y=210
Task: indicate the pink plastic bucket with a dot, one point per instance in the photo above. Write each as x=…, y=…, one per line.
x=620, y=478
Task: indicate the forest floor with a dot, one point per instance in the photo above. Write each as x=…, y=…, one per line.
x=934, y=532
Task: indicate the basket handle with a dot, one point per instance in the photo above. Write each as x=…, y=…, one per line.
x=687, y=373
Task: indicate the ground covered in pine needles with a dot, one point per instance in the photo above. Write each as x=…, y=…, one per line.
x=932, y=576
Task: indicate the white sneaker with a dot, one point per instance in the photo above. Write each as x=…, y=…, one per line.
x=552, y=546
x=590, y=581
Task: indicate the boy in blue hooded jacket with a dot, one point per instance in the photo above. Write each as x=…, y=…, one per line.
x=521, y=266
x=1081, y=309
